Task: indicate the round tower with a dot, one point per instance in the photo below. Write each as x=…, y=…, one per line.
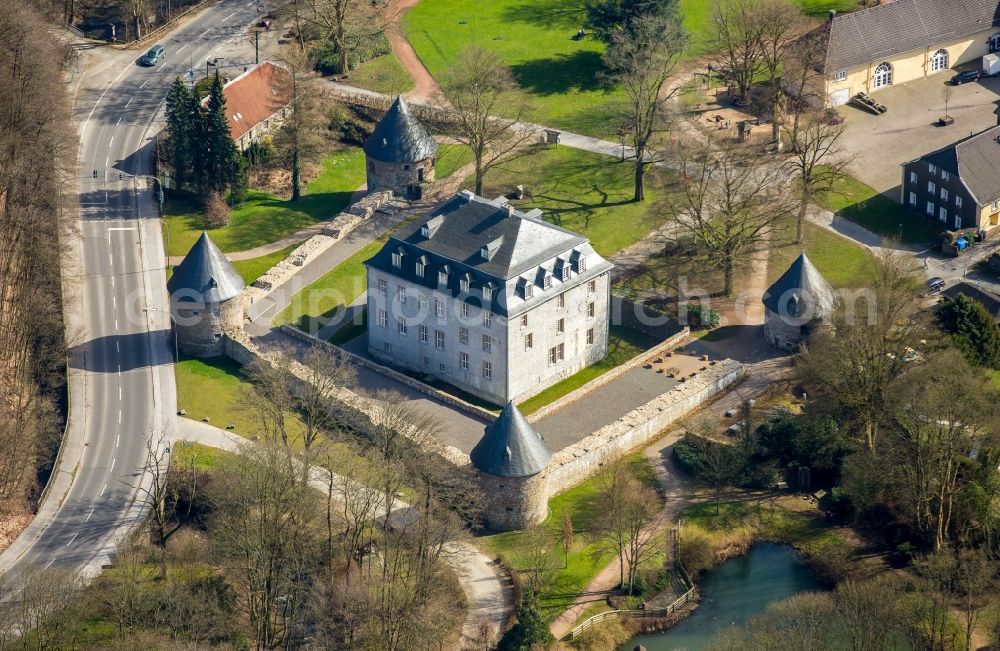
x=510, y=463
x=796, y=305
x=205, y=299
x=399, y=155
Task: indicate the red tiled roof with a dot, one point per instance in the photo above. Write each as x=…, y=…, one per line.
x=253, y=97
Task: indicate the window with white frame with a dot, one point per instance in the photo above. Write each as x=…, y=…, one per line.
x=930, y=207
x=422, y=331
x=931, y=168
x=464, y=283
x=561, y=300
x=488, y=292
x=945, y=175
x=939, y=61
x=913, y=177
x=402, y=294
x=463, y=361
x=439, y=308
x=958, y=201
x=931, y=188
x=556, y=354
x=383, y=319
x=913, y=198
x=463, y=335
x=443, y=277
x=487, y=318
x=943, y=214
x=560, y=326
x=524, y=320
x=488, y=370
x=944, y=194
x=487, y=344
x=397, y=259
x=423, y=302
x=401, y=326
x=529, y=341
x=958, y=222
x=883, y=75
x=439, y=339
x=592, y=287
x=996, y=205
x=840, y=75
x=465, y=309
x=547, y=281
x=590, y=309
x=383, y=286
x=590, y=336
x=421, y=267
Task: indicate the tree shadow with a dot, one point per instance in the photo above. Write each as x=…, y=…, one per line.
x=562, y=73
x=561, y=14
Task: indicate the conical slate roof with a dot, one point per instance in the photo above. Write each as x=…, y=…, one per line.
x=801, y=291
x=400, y=138
x=205, y=274
x=510, y=447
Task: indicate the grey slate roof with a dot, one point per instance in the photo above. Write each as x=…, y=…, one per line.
x=510, y=447
x=400, y=137
x=990, y=300
x=801, y=290
x=871, y=35
x=205, y=274
x=976, y=161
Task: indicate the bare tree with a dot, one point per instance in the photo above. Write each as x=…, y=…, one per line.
x=136, y=12
x=717, y=462
x=270, y=397
x=42, y=602
x=479, y=88
x=738, y=43
x=815, y=163
x=325, y=371
x=298, y=140
x=728, y=204
x=337, y=17
x=537, y=559
x=802, y=79
x=781, y=22
x=642, y=59
x=567, y=537
x=626, y=508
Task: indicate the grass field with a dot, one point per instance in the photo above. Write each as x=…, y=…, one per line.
x=586, y=557
x=382, y=74
x=587, y=193
x=842, y=262
x=861, y=204
x=252, y=269
x=265, y=218
x=450, y=157
x=623, y=344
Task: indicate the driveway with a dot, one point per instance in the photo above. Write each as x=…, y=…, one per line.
x=877, y=145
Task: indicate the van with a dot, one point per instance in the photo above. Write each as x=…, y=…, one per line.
x=155, y=54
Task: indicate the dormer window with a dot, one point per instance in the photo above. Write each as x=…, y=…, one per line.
x=465, y=282
x=421, y=265
x=546, y=280
x=579, y=261
x=443, y=274
x=488, y=250
x=563, y=270
x=524, y=288
x=487, y=292
x=430, y=226
x=397, y=257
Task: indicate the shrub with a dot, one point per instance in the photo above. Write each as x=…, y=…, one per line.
x=973, y=330
x=701, y=316
x=694, y=549
x=217, y=211
x=528, y=631
x=609, y=634
x=324, y=58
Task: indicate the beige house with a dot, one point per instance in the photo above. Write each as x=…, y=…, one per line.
x=897, y=42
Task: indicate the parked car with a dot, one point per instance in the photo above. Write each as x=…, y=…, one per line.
x=935, y=284
x=965, y=76
x=155, y=54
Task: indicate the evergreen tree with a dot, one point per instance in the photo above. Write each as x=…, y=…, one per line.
x=528, y=631
x=181, y=126
x=973, y=330
x=606, y=17
x=222, y=160
x=196, y=141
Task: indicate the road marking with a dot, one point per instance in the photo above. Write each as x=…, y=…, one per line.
x=143, y=84
x=119, y=393
x=119, y=418
x=126, y=105
x=107, y=159
x=119, y=437
x=119, y=228
x=112, y=465
x=161, y=66
x=112, y=139
x=114, y=302
x=104, y=489
x=229, y=16
x=118, y=349
x=47, y=566
x=182, y=47
x=116, y=325
x=72, y=539
x=205, y=32
x=89, y=514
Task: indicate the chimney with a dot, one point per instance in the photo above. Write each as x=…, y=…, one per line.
x=509, y=209
x=468, y=195
x=833, y=14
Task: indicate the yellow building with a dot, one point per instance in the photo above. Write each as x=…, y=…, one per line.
x=894, y=43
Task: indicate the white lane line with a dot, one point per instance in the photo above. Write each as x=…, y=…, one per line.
x=118, y=438
x=251, y=2
x=119, y=416
x=161, y=66
x=104, y=489
x=183, y=46
x=118, y=349
x=229, y=16
x=89, y=514
x=119, y=393
x=72, y=539
x=110, y=142
x=112, y=465
x=203, y=33
x=47, y=565
x=128, y=102
x=114, y=302
x=107, y=159
x=143, y=84
x=116, y=325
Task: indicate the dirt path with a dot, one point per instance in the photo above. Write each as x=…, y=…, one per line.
x=424, y=86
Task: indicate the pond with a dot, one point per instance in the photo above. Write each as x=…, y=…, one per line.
x=733, y=593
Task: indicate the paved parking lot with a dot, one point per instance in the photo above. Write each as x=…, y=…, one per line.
x=878, y=145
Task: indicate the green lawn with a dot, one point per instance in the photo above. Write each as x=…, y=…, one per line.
x=328, y=295
x=253, y=268
x=861, y=204
x=382, y=74
x=450, y=157
x=698, y=18
x=534, y=37
x=265, y=218
x=842, y=262
x=623, y=345
x=183, y=455
x=584, y=192
x=586, y=557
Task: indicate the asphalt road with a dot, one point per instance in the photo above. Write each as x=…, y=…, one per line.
x=122, y=379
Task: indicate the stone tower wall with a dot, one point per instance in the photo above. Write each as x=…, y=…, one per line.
x=398, y=177
x=781, y=334
x=199, y=326
x=513, y=502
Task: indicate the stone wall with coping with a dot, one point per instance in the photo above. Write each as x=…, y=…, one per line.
x=573, y=464
x=669, y=344
x=336, y=230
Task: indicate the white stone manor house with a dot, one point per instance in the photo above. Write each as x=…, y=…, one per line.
x=494, y=301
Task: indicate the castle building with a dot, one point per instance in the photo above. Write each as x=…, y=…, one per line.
x=510, y=460
x=205, y=299
x=796, y=305
x=494, y=301
x=399, y=155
